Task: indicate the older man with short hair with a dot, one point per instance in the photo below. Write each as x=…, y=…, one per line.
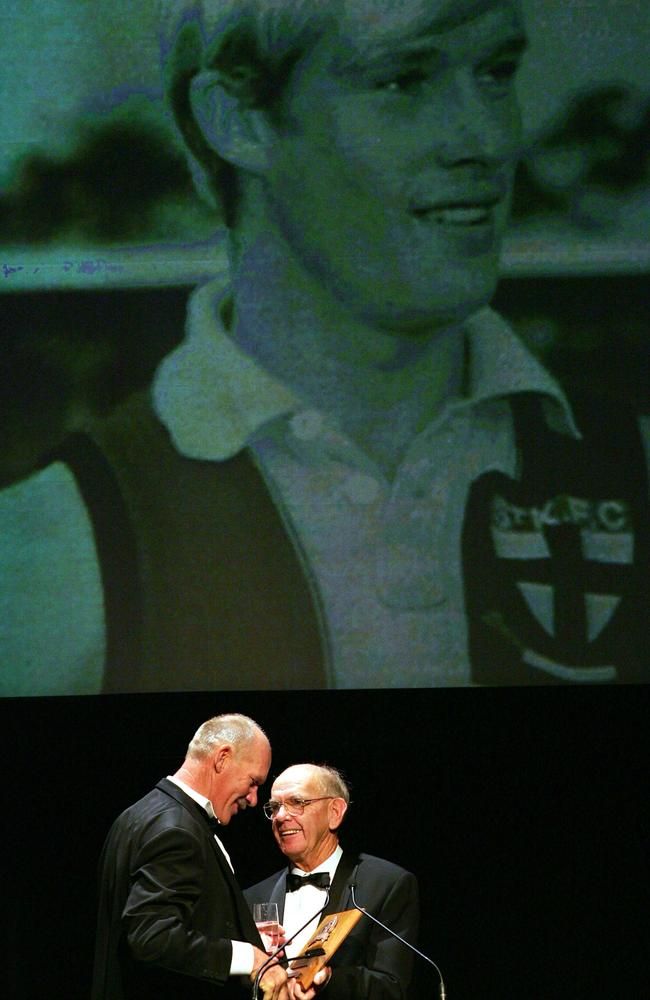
x=307, y=807
x=172, y=919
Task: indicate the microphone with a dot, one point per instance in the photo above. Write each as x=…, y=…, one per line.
x=362, y=909
x=311, y=954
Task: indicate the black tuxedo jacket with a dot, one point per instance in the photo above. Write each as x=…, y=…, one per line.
x=370, y=963
x=169, y=905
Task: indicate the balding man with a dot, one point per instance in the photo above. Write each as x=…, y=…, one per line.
x=172, y=920
x=307, y=806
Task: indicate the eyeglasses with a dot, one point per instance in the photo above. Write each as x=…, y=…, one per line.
x=292, y=805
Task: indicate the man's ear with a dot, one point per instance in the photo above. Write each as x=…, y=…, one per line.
x=238, y=134
x=337, y=810
x=222, y=757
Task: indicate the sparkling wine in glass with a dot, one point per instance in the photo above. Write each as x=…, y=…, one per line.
x=265, y=916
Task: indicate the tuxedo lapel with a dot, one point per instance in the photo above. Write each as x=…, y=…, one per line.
x=278, y=894
x=245, y=916
x=340, y=892
x=243, y=912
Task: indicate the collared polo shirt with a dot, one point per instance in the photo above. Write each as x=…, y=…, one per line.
x=384, y=555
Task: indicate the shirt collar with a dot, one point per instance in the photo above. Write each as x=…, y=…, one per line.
x=214, y=398
x=329, y=865
x=207, y=805
x=501, y=365
x=193, y=794
x=210, y=394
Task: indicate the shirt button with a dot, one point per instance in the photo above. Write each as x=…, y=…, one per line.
x=306, y=425
x=361, y=488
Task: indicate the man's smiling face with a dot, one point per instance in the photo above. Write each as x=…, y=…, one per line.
x=240, y=772
x=392, y=170
x=309, y=836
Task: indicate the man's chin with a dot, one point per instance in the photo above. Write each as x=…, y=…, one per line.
x=236, y=808
x=424, y=317
x=289, y=852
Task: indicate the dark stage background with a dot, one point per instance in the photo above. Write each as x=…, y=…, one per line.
x=523, y=812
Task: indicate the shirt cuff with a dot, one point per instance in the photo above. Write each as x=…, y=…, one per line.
x=243, y=958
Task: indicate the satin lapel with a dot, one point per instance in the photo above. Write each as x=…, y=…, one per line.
x=340, y=894
x=244, y=914
x=279, y=893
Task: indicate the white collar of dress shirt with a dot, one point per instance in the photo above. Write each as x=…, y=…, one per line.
x=214, y=398
x=193, y=794
x=329, y=865
x=205, y=804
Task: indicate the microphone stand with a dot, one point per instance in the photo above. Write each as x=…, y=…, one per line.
x=272, y=957
x=394, y=934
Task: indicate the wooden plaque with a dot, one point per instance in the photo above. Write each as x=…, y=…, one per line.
x=330, y=933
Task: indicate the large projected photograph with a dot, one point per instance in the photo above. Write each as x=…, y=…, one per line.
x=325, y=345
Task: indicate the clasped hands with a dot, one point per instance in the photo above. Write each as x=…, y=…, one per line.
x=277, y=984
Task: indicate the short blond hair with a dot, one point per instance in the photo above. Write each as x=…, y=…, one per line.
x=254, y=46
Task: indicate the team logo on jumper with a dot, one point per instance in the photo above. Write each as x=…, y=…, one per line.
x=570, y=560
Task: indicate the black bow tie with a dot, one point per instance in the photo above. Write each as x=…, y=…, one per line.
x=212, y=821
x=321, y=879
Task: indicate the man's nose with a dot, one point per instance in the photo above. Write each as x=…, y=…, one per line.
x=474, y=127
x=251, y=798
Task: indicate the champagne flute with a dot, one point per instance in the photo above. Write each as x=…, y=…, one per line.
x=266, y=920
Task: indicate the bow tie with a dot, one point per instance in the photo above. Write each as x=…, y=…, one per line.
x=320, y=879
x=212, y=821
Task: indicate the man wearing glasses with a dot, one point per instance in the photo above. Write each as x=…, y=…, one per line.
x=307, y=807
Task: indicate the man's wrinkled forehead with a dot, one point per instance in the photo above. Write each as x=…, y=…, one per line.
x=399, y=21
x=301, y=781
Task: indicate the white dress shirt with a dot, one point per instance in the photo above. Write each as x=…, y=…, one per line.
x=301, y=902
